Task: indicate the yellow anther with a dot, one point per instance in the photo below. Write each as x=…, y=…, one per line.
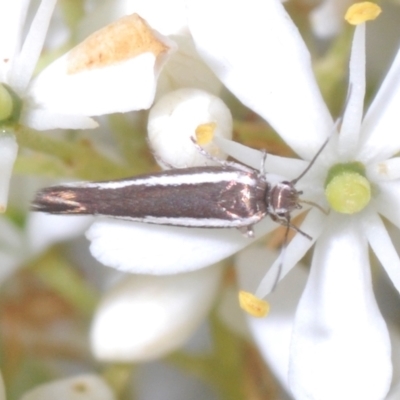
x=251, y=304
x=362, y=12
x=205, y=133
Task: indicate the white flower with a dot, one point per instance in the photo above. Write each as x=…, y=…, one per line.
x=99, y=76
x=184, y=69
x=146, y=317
x=273, y=334
x=340, y=346
x=88, y=80
x=183, y=115
x=339, y=340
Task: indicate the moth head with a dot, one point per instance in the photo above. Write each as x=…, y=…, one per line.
x=283, y=199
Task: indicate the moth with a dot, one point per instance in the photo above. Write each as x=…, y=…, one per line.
x=229, y=195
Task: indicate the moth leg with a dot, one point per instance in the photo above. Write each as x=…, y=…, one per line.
x=263, y=162
x=285, y=221
x=163, y=164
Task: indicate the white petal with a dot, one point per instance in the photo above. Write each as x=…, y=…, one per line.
x=162, y=250
x=114, y=70
x=173, y=122
x=8, y=154
x=25, y=62
x=257, y=52
x=43, y=120
x=387, y=201
x=53, y=229
x=294, y=252
x=272, y=333
x=185, y=68
x=12, y=18
x=382, y=122
x=84, y=387
x=146, y=317
x=118, y=88
x=387, y=170
x=340, y=344
x=288, y=167
x=350, y=129
x=382, y=246
x=168, y=18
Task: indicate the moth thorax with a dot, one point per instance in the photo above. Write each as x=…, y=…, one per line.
x=283, y=199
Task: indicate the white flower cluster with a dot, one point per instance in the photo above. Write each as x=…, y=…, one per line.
x=325, y=337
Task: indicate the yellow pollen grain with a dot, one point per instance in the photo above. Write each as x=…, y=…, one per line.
x=362, y=12
x=253, y=305
x=205, y=133
x=126, y=38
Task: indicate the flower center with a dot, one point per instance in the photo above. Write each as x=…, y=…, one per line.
x=10, y=106
x=347, y=189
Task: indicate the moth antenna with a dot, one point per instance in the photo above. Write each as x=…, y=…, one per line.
x=336, y=124
x=311, y=163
